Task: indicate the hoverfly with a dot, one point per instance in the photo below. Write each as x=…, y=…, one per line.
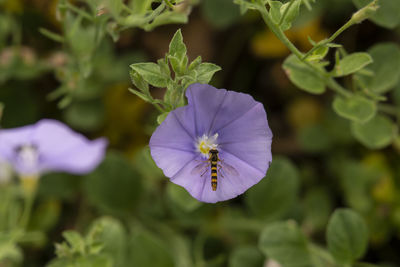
x=216, y=165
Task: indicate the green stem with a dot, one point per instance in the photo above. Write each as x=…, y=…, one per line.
x=29, y=199
x=335, y=86
x=330, y=39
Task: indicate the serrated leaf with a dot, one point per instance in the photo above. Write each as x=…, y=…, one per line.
x=205, y=72
x=355, y=108
x=386, y=68
x=352, y=63
x=151, y=73
x=347, y=236
x=303, y=76
x=376, y=133
x=285, y=243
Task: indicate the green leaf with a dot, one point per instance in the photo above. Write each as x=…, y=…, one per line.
x=285, y=243
x=148, y=250
x=303, y=76
x=347, y=236
x=376, y=133
x=386, y=68
x=356, y=108
x=182, y=198
x=115, y=174
x=220, y=13
x=290, y=11
x=177, y=47
x=315, y=138
x=317, y=208
x=352, y=63
x=162, y=117
x=114, y=238
x=246, y=256
x=273, y=196
x=318, y=54
x=167, y=17
x=388, y=14
x=195, y=63
x=205, y=72
x=151, y=73
x=85, y=115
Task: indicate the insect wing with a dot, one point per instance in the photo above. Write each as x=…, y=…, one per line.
x=200, y=168
x=229, y=169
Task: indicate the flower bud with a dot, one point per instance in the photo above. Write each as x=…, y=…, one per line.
x=365, y=12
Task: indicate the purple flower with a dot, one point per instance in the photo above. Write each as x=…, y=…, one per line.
x=49, y=145
x=232, y=123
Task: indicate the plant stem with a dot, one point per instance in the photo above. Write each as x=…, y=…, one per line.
x=335, y=86
x=330, y=39
x=28, y=204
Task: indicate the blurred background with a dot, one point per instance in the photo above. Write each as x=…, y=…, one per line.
x=318, y=166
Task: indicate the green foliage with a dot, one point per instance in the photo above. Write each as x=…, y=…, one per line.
x=182, y=198
x=77, y=250
x=285, y=243
x=246, y=256
x=356, y=108
x=272, y=198
x=352, y=63
x=159, y=75
x=220, y=13
x=115, y=174
x=386, y=68
x=375, y=133
x=303, y=76
x=388, y=14
x=347, y=236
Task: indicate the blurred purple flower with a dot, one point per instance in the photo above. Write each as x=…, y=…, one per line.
x=49, y=145
x=233, y=123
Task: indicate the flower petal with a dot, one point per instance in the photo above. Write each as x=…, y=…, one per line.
x=10, y=139
x=79, y=159
x=229, y=186
x=249, y=138
x=215, y=108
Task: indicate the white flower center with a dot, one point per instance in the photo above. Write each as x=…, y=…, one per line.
x=205, y=143
x=28, y=156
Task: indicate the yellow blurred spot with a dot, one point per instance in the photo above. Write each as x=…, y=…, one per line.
x=303, y=112
x=267, y=45
x=29, y=184
x=126, y=119
x=14, y=6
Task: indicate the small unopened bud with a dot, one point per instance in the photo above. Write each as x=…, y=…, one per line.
x=365, y=12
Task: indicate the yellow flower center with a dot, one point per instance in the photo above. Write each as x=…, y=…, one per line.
x=205, y=143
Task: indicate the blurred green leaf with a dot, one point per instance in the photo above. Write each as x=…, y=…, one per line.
x=275, y=11
x=356, y=108
x=246, y=256
x=388, y=14
x=289, y=12
x=83, y=261
x=59, y=185
x=315, y=138
x=317, y=208
x=376, y=133
x=347, y=236
x=285, y=243
x=147, y=250
x=182, y=198
x=386, y=68
x=114, y=238
x=46, y=215
x=352, y=63
x=115, y=174
x=274, y=195
x=220, y=13
x=85, y=115
x=303, y=76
